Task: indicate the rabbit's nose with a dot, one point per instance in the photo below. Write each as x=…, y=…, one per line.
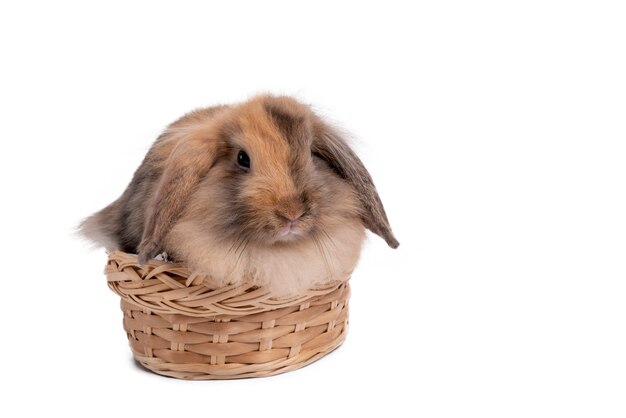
x=290, y=209
x=290, y=216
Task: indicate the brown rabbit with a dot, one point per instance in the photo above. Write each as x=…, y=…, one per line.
x=262, y=192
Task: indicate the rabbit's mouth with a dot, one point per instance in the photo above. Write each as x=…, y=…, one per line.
x=292, y=228
x=290, y=232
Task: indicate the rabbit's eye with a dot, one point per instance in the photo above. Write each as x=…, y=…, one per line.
x=243, y=160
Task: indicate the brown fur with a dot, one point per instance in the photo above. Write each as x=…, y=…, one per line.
x=293, y=219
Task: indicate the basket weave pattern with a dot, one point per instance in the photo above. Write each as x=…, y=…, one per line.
x=179, y=326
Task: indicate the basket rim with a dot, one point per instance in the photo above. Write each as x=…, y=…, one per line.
x=172, y=288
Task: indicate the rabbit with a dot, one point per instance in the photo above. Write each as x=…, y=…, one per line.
x=262, y=192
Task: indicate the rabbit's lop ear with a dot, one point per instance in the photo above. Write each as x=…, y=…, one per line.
x=189, y=160
x=329, y=145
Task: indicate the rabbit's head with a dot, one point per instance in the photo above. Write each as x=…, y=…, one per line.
x=265, y=172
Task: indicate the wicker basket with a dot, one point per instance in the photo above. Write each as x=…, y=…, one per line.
x=178, y=326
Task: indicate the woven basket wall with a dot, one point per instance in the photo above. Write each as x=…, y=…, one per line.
x=178, y=326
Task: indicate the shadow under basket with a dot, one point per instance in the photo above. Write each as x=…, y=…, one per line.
x=179, y=326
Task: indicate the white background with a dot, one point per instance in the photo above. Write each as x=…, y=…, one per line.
x=496, y=135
